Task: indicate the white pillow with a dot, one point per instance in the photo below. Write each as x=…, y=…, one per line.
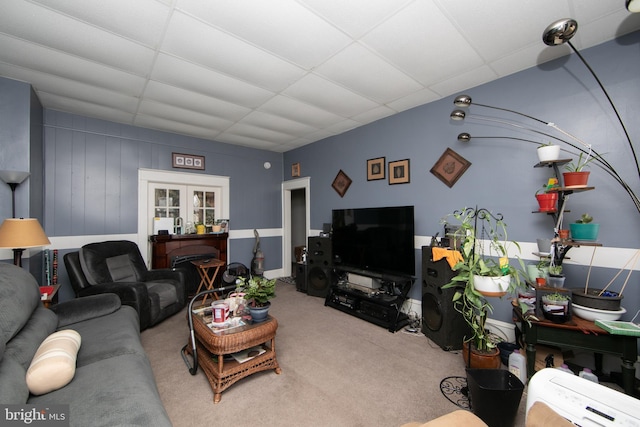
x=54, y=364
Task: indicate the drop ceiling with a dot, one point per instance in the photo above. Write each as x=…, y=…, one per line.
x=278, y=74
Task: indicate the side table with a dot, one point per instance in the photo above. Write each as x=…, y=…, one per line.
x=581, y=334
x=213, y=345
x=207, y=280
x=51, y=292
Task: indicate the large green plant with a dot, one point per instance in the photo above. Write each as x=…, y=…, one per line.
x=484, y=249
x=258, y=290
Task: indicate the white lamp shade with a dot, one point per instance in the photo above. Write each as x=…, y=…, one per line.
x=22, y=233
x=13, y=177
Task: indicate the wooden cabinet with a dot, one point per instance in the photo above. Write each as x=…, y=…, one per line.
x=164, y=248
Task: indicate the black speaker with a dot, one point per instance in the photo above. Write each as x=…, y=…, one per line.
x=301, y=277
x=441, y=322
x=319, y=266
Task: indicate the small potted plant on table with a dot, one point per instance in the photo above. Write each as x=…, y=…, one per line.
x=258, y=291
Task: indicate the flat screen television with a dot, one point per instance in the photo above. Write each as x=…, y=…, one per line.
x=377, y=241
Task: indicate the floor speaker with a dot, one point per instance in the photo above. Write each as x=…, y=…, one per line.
x=301, y=277
x=319, y=266
x=441, y=322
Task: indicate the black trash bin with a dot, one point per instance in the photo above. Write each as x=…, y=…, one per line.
x=494, y=395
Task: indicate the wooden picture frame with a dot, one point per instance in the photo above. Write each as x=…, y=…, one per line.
x=187, y=161
x=375, y=169
x=295, y=169
x=450, y=167
x=399, y=172
x=341, y=183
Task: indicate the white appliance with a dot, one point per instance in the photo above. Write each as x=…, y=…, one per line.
x=583, y=402
x=163, y=224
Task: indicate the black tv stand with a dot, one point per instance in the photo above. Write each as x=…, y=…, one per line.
x=379, y=306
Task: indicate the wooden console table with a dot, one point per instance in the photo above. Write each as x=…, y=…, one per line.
x=166, y=247
x=580, y=334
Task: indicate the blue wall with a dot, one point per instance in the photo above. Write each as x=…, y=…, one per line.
x=501, y=177
x=90, y=166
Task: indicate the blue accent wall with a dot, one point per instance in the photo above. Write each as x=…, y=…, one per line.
x=501, y=177
x=89, y=182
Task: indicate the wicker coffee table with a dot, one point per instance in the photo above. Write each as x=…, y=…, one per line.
x=213, y=346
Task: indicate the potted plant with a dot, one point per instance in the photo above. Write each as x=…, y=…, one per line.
x=548, y=152
x=556, y=278
x=547, y=200
x=556, y=307
x=257, y=291
x=575, y=175
x=584, y=228
x=470, y=298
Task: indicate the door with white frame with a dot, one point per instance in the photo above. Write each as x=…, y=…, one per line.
x=195, y=198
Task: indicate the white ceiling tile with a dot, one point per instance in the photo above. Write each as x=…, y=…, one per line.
x=250, y=131
x=404, y=40
x=252, y=73
x=265, y=25
x=194, y=78
x=194, y=101
x=417, y=98
x=504, y=25
x=181, y=115
x=69, y=89
x=161, y=123
x=362, y=71
x=299, y=112
x=315, y=90
x=119, y=16
x=246, y=141
x=356, y=17
x=49, y=61
x=374, y=114
x=218, y=50
x=57, y=102
x=471, y=78
x=278, y=124
x=61, y=32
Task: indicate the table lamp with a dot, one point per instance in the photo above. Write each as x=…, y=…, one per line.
x=20, y=234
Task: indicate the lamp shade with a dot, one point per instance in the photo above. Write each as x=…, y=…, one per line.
x=22, y=233
x=13, y=177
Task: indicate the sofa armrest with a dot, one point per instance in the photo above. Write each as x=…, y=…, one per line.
x=85, y=308
x=164, y=274
x=133, y=294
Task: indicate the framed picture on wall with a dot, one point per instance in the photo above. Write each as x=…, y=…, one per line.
x=399, y=172
x=341, y=183
x=450, y=167
x=295, y=169
x=187, y=161
x=375, y=169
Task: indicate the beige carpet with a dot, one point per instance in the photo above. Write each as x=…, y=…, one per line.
x=337, y=370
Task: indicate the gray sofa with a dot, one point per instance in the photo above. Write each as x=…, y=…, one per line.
x=113, y=384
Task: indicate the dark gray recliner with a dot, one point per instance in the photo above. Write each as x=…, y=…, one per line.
x=118, y=267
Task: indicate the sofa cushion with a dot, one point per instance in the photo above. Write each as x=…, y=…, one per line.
x=121, y=269
x=54, y=364
x=93, y=258
x=19, y=296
